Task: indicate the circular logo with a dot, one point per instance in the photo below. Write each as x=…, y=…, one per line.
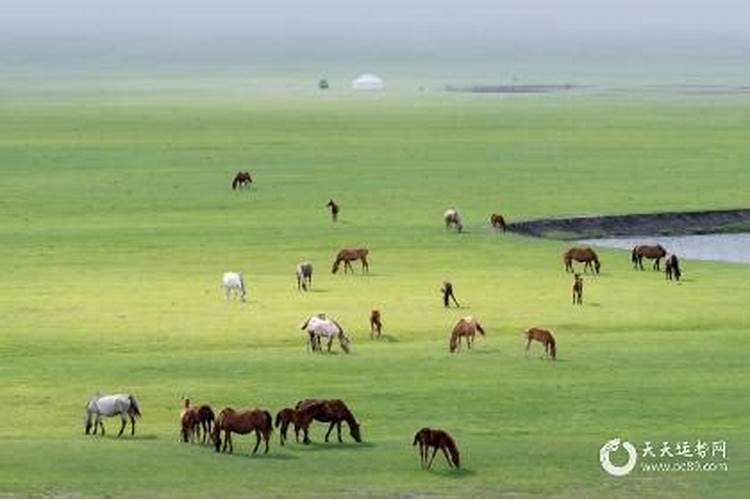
x=611, y=446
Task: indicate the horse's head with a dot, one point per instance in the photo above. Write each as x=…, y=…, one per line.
x=216, y=436
x=335, y=267
x=87, y=423
x=597, y=266
x=453, y=344
x=354, y=431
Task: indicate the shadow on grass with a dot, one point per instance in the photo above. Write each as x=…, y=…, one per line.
x=128, y=437
x=594, y=304
x=272, y=455
x=323, y=446
x=385, y=338
x=452, y=473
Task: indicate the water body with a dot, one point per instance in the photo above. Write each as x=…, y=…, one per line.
x=718, y=247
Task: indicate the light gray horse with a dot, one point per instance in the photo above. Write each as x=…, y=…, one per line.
x=452, y=217
x=234, y=282
x=319, y=326
x=304, y=275
x=100, y=406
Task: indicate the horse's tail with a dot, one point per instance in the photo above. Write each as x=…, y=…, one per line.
x=453, y=450
x=552, y=347
x=269, y=421
x=634, y=255
x=134, y=408
x=479, y=327
x=278, y=419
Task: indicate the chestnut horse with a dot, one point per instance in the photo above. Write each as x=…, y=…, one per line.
x=376, y=325
x=585, y=255
x=283, y=419
x=656, y=252
x=242, y=422
x=188, y=422
x=545, y=337
x=241, y=180
x=333, y=411
x=347, y=255
x=577, y=289
x=497, y=221
x=439, y=440
x=672, y=267
x=466, y=327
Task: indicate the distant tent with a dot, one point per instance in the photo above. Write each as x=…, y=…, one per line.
x=368, y=82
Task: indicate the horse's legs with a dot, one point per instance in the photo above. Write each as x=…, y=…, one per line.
x=257, y=440
x=330, y=428
x=306, y=437
x=429, y=465
x=122, y=428
x=330, y=342
x=101, y=424
x=528, y=344
x=468, y=341
x=447, y=457
x=365, y=265
x=338, y=430
x=132, y=425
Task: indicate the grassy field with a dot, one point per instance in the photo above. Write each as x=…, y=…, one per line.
x=117, y=220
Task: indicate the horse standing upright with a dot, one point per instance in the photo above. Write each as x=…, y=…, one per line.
x=123, y=405
x=304, y=275
x=497, y=221
x=334, y=210
x=376, y=325
x=347, y=255
x=654, y=252
x=578, y=289
x=439, y=440
x=466, y=327
x=672, y=267
x=318, y=326
x=545, y=337
x=234, y=282
x=585, y=255
x=452, y=217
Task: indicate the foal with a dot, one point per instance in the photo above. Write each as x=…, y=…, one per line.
x=439, y=440
x=497, y=221
x=334, y=210
x=376, y=325
x=578, y=289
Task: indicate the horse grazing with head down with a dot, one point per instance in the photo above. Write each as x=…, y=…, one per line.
x=331, y=411
x=234, y=282
x=318, y=326
x=585, y=255
x=347, y=255
x=242, y=422
x=654, y=252
x=672, y=268
x=466, y=327
x=100, y=406
x=452, y=217
x=241, y=180
x=438, y=439
x=497, y=221
x=545, y=337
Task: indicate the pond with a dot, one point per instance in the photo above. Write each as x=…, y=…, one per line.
x=719, y=247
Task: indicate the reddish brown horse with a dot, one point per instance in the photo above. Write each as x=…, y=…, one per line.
x=376, y=324
x=585, y=255
x=578, y=289
x=466, y=327
x=654, y=252
x=283, y=419
x=545, y=337
x=241, y=180
x=439, y=440
x=188, y=422
x=347, y=255
x=242, y=422
x=497, y=221
x=333, y=411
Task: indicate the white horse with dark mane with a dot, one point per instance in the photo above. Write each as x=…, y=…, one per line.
x=318, y=326
x=100, y=406
x=452, y=217
x=234, y=282
x=304, y=275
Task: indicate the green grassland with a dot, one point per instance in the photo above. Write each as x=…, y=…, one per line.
x=117, y=220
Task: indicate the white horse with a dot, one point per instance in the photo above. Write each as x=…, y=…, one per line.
x=453, y=217
x=100, y=406
x=234, y=282
x=304, y=275
x=319, y=326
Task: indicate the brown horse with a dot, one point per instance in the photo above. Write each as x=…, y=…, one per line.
x=188, y=422
x=206, y=419
x=333, y=411
x=283, y=419
x=241, y=180
x=672, y=267
x=439, y=440
x=654, y=252
x=334, y=209
x=545, y=337
x=376, y=325
x=466, y=327
x=585, y=255
x=242, y=422
x=497, y=221
x=347, y=255
x=578, y=289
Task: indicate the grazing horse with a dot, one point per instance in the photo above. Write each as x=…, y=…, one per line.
x=672, y=267
x=206, y=419
x=333, y=411
x=304, y=275
x=242, y=422
x=452, y=217
x=577, y=289
x=447, y=291
x=283, y=419
x=585, y=255
x=545, y=337
x=318, y=326
x=99, y=406
x=334, y=210
x=347, y=255
x=376, y=325
x=189, y=423
x=656, y=252
x=497, y=221
x=241, y=180
x=439, y=440
x=234, y=282
x=467, y=327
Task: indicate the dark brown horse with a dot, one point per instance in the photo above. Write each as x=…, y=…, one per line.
x=585, y=255
x=654, y=252
x=672, y=268
x=242, y=422
x=241, y=180
x=497, y=221
x=466, y=327
x=376, y=324
x=545, y=337
x=439, y=440
x=334, y=210
x=347, y=255
x=206, y=419
x=283, y=419
x=333, y=411
x=577, y=289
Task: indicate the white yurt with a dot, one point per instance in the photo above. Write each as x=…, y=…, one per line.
x=368, y=82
